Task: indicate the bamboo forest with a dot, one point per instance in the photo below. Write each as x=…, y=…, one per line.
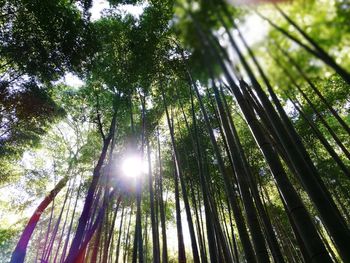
x=205, y=131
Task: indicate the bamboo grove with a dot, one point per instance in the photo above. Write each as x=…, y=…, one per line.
x=245, y=149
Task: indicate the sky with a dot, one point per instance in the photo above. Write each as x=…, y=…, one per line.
x=99, y=5
x=97, y=8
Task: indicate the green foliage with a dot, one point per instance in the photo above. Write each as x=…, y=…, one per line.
x=40, y=41
x=7, y=241
x=44, y=38
x=26, y=114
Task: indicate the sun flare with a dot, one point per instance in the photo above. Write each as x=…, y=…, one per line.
x=133, y=166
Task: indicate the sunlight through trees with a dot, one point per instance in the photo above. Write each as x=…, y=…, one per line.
x=174, y=131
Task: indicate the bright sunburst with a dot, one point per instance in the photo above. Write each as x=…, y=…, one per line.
x=133, y=166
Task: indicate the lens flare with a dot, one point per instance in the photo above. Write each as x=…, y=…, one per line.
x=134, y=166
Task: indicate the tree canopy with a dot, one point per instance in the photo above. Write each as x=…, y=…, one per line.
x=202, y=131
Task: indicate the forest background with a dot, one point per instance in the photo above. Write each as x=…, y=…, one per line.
x=165, y=131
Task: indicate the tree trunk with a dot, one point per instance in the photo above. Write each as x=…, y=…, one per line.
x=315, y=246
x=161, y=206
x=155, y=237
x=19, y=253
x=302, y=164
x=323, y=140
x=183, y=187
x=119, y=235
x=85, y=215
x=242, y=179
